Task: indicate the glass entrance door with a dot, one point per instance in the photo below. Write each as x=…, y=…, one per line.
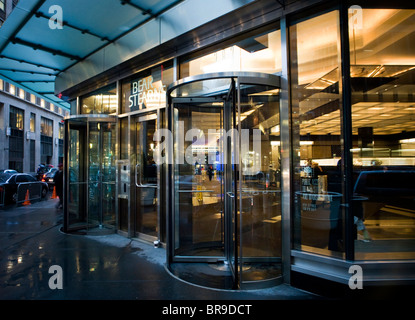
x=146, y=177
x=101, y=175
x=89, y=190
x=226, y=201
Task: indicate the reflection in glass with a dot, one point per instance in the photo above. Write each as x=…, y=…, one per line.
x=382, y=57
x=317, y=145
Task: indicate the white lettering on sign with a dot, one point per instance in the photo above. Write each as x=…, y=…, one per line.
x=146, y=92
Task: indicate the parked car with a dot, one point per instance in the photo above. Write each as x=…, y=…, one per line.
x=49, y=177
x=8, y=171
x=9, y=187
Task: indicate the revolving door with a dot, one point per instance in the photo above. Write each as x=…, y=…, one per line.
x=89, y=171
x=223, y=180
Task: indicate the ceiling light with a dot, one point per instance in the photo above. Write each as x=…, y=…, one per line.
x=306, y=143
x=412, y=140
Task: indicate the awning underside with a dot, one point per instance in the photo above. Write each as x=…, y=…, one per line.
x=34, y=48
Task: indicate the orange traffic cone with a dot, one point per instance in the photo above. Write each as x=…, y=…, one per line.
x=26, y=199
x=54, y=193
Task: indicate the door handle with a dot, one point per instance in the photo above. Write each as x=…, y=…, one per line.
x=230, y=194
x=138, y=182
x=137, y=166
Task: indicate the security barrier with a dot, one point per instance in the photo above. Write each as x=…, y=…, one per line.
x=28, y=191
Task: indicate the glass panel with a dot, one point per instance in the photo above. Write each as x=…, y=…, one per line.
x=101, y=174
x=260, y=216
x=104, y=100
x=382, y=72
x=77, y=190
x=230, y=182
x=124, y=178
x=108, y=173
x=94, y=175
x=260, y=53
x=316, y=124
x=146, y=176
x=199, y=179
x=207, y=88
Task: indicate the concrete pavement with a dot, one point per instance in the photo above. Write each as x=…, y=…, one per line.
x=95, y=267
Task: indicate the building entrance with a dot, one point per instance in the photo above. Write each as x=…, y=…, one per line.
x=89, y=188
x=225, y=196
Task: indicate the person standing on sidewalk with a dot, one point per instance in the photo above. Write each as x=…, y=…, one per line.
x=59, y=186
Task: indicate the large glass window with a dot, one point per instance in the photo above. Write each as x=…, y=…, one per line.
x=260, y=53
x=382, y=58
x=317, y=147
x=46, y=127
x=32, y=122
x=104, y=100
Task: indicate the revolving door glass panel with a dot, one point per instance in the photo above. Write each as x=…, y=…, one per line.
x=226, y=197
x=146, y=177
x=198, y=184
x=89, y=174
x=101, y=174
x=75, y=176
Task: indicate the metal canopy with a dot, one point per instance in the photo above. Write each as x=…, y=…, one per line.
x=32, y=53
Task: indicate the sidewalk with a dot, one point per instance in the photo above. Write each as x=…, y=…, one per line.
x=109, y=267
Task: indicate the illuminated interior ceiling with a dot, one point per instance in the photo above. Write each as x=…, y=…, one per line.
x=32, y=53
x=381, y=110
x=382, y=77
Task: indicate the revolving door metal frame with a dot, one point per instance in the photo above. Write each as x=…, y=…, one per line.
x=237, y=78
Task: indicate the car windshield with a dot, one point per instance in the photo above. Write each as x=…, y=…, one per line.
x=5, y=176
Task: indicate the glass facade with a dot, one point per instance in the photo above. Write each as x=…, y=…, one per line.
x=382, y=69
x=348, y=183
x=259, y=53
x=316, y=129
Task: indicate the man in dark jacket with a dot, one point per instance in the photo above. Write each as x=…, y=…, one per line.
x=59, y=186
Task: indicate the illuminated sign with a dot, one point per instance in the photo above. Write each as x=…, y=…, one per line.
x=145, y=93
